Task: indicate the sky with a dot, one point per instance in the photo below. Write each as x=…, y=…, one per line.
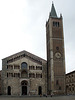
x=22, y=27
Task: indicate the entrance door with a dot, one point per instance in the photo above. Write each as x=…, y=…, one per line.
x=39, y=90
x=24, y=87
x=9, y=90
x=24, y=90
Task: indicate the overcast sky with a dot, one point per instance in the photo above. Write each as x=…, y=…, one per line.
x=22, y=27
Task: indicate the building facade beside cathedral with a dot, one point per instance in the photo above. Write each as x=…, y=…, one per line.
x=26, y=74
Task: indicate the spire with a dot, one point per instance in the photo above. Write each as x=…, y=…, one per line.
x=53, y=11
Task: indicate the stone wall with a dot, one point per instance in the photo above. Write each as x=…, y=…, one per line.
x=12, y=75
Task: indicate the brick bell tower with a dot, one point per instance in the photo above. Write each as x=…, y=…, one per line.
x=55, y=54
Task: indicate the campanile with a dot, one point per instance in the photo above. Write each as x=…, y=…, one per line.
x=55, y=53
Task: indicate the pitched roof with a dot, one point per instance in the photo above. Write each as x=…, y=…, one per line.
x=24, y=54
x=53, y=11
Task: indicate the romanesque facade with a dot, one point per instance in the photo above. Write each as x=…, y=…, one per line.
x=23, y=74
x=26, y=74
x=70, y=83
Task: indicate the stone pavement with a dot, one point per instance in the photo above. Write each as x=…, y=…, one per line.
x=37, y=98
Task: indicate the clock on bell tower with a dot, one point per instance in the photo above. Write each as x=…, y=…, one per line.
x=55, y=53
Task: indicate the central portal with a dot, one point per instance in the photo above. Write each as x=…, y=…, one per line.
x=24, y=90
x=24, y=87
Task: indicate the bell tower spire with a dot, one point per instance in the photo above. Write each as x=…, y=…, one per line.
x=53, y=11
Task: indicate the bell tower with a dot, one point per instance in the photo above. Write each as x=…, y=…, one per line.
x=55, y=53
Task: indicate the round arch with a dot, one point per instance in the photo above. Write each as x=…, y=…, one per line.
x=24, y=87
x=9, y=90
x=23, y=65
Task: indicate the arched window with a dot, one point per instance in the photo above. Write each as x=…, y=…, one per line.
x=24, y=65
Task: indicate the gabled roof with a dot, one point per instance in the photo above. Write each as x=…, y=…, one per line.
x=24, y=54
x=53, y=11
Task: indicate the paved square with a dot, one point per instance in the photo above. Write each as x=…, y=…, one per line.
x=37, y=98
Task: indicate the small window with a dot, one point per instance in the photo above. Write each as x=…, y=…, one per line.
x=31, y=67
x=31, y=75
x=57, y=82
x=72, y=88
x=7, y=74
x=58, y=24
x=38, y=75
x=16, y=67
x=16, y=74
x=72, y=75
x=7, y=66
x=54, y=24
x=38, y=67
x=59, y=87
x=57, y=48
x=10, y=67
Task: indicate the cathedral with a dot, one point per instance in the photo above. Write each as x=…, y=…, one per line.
x=24, y=73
